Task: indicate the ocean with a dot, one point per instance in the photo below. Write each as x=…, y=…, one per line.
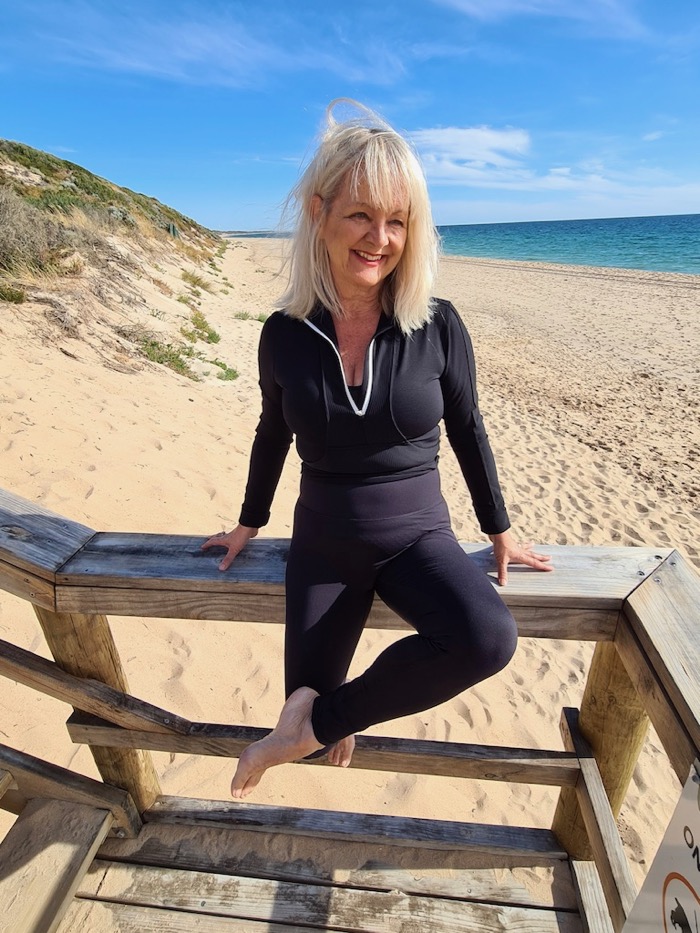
x=656, y=244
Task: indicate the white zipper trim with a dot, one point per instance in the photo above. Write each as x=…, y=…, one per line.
x=360, y=412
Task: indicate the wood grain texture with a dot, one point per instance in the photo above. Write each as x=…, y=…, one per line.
x=38, y=778
x=546, y=621
x=324, y=907
x=361, y=827
x=611, y=863
x=594, y=909
x=375, y=753
x=33, y=538
x=586, y=577
x=83, y=646
x=27, y=585
x=100, y=917
x=615, y=723
x=30, y=669
x=534, y=881
x=665, y=615
x=42, y=861
x=679, y=746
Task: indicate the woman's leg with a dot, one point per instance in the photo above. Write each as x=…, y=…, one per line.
x=325, y=619
x=465, y=634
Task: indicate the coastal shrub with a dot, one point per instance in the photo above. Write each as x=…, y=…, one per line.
x=149, y=345
x=9, y=293
x=201, y=329
x=27, y=237
x=227, y=373
x=195, y=280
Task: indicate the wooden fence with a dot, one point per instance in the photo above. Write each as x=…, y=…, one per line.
x=640, y=605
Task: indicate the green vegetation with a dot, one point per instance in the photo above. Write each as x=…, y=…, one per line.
x=227, y=372
x=28, y=238
x=201, y=329
x=152, y=348
x=15, y=295
x=195, y=280
x=58, y=187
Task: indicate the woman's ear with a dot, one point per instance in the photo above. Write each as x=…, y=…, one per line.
x=315, y=208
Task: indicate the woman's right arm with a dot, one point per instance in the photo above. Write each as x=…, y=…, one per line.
x=270, y=448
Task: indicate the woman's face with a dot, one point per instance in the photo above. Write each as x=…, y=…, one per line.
x=364, y=242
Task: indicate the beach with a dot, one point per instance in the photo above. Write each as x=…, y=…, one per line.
x=588, y=383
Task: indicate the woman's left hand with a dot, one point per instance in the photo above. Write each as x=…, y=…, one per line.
x=507, y=551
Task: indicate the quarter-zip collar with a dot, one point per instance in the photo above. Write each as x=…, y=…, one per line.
x=321, y=321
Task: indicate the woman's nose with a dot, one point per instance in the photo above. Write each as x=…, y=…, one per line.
x=379, y=233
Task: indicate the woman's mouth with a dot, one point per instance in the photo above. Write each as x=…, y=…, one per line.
x=368, y=257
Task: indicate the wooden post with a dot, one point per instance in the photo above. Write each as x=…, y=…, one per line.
x=614, y=723
x=83, y=645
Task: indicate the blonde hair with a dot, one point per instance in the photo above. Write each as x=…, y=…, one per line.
x=368, y=150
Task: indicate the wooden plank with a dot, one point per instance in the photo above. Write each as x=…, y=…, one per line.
x=534, y=881
x=38, y=778
x=665, y=616
x=27, y=586
x=550, y=621
x=310, y=905
x=86, y=694
x=100, y=917
x=614, y=722
x=679, y=746
x=586, y=576
x=594, y=910
x=615, y=876
x=33, y=538
x=83, y=646
x=6, y=781
x=374, y=753
x=362, y=827
x=42, y=860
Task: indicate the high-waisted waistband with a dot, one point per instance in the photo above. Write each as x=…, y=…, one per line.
x=371, y=500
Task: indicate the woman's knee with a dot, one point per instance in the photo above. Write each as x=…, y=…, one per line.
x=488, y=646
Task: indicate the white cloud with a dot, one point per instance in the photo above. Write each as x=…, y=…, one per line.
x=472, y=147
x=652, y=137
x=604, y=16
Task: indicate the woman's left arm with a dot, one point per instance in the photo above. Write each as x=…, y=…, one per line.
x=507, y=551
x=469, y=440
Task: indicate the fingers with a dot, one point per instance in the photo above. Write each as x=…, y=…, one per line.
x=229, y=559
x=214, y=541
x=503, y=571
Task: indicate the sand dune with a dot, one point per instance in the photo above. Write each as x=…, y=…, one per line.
x=588, y=382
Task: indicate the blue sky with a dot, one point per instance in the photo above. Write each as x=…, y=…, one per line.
x=520, y=109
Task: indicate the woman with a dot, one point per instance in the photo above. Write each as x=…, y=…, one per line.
x=361, y=366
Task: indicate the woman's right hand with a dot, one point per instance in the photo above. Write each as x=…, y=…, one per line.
x=234, y=542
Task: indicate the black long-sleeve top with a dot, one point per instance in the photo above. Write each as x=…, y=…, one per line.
x=386, y=429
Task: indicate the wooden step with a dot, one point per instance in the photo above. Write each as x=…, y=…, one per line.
x=43, y=859
x=359, y=827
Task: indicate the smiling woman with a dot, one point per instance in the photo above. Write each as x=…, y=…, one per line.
x=362, y=365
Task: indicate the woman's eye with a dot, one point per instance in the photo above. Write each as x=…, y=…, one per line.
x=360, y=215
x=397, y=223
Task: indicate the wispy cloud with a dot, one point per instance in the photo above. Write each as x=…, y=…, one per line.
x=198, y=45
x=488, y=158
x=652, y=137
x=613, y=17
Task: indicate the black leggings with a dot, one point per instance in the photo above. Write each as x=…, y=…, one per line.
x=394, y=539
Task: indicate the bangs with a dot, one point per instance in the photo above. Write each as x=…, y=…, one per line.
x=385, y=173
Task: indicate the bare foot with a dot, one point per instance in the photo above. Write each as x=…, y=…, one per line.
x=341, y=753
x=291, y=738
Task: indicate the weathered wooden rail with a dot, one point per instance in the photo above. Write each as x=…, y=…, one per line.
x=180, y=864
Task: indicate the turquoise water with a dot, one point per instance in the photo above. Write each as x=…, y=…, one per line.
x=664, y=244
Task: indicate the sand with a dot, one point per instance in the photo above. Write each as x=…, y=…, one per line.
x=588, y=382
